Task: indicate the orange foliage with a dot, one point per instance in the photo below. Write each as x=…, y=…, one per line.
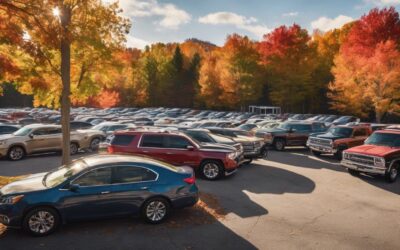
x=106, y=99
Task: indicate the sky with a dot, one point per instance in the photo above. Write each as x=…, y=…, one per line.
x=212, y=20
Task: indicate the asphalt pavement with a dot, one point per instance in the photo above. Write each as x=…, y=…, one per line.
x=291, y=201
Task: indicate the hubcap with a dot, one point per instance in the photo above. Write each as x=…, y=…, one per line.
x=393, y=173
x=279, y=145
x=211, y=170
x=95, y=144
x=73, y=149
x=41, y=222
x=16, y=153
x=156, y=211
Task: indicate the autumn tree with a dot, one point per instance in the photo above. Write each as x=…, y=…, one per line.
x=366, y=69
x=53, y=28
x=290, y=62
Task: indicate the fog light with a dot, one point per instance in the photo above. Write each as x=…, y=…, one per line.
x=4, y=219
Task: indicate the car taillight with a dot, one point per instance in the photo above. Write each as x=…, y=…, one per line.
x=190, y=180
x=110, y=149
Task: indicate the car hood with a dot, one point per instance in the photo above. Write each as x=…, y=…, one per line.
x=216, y=147
x=28, y=184
x=244, y=139
x=373, y=150
x=328, y=136
x=6, y=137
x=271, y=130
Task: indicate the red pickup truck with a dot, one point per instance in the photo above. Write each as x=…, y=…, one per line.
x=379, y=155
x=212, y=161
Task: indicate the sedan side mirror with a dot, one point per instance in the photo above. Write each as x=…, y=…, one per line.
x=31, y=136
x=73, y=187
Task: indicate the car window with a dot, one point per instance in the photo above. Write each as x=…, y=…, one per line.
x=178, y=142
x=127, y=174
x=318, y=126
x=52, y=131
x=116, y=127
x=360, y=132
x=97, y=177
x=199, y=136
x=40, y=131
x=153, y=141
x=122, y=140
x=301, y=127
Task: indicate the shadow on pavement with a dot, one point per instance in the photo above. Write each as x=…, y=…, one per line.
x=380, y=182
x=258, y=179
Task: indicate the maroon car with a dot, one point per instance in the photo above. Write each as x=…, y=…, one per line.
x=212, y=161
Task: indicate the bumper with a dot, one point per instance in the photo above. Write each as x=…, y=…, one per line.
x=103, y=147
x=9, y=217
x=363, y=168
x=185, y=201
x=322, y=149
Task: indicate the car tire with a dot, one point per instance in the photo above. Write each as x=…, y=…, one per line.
x=248, y=162
x=41, y=221
x=316, y=153
x=155, y=210
x=339, y=153
x=353, y=172
x=264, y=153
x=94, y=144
x=279, y=144
x=16, y=153
x=74, y=148
x=211, y=170
x=392, y=175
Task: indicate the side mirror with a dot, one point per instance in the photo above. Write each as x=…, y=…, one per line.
x=291, y=130
x=31, y=136
x=190, y=148
x=73, y=187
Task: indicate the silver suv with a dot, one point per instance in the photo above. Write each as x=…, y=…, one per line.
x=38, y=138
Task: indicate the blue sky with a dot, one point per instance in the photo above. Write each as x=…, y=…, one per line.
x=212, y=20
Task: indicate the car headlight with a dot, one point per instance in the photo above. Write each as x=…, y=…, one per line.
x=11, y=199
x=379, y=162
x=232, y=155
x=345, y=156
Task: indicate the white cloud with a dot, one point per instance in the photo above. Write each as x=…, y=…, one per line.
x=171, y=17
x=325, y=23
x=249, y=24
x=133, y=42
x=382, y=3
x=290, y=14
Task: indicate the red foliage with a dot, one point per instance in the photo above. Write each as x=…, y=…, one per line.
x=375, y=27
x=106, y=99
x=283, y=40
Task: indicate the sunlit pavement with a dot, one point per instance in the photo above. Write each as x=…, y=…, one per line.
x=291, y=201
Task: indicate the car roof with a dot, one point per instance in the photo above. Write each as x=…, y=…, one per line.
x=40, y=125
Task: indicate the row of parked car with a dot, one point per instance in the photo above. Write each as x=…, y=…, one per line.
x=155, y=154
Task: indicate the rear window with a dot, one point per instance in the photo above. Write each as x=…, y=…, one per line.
x=122, y=140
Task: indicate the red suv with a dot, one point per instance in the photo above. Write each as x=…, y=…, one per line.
x=212, y=161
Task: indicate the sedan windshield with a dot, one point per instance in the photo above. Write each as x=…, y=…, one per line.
x=346, y=132
x=384, y=139
x=61, y=174
x=22, y=131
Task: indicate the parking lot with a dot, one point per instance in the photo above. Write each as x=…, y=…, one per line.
x=292, y=200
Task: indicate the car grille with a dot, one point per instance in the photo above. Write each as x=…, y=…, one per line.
x=360, y=159
x=252, y=146
x=320, y=141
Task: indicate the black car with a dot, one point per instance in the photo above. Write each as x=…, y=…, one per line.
x=8, y=129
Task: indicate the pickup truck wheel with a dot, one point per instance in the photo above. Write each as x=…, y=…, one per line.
x=353, y=172
x=392, y=174
x=211, y=170
x=73, y=148
x=16, y=153
x=264, y=153
x=279, y=144
x=316, y=153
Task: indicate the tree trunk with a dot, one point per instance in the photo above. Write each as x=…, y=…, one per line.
x=66, y=82
x=378, y=116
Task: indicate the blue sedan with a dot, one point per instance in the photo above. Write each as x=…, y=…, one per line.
x=96, y=187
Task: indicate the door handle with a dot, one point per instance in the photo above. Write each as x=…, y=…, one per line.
x=144, y=188
x=169, y=153
x=145, y=151
x=105, y=192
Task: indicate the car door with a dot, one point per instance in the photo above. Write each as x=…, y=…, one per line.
x=91, y=197
x=54, y=138
x=180, y=151
x=38, y=140
x=132, y=185
x=153, y=145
